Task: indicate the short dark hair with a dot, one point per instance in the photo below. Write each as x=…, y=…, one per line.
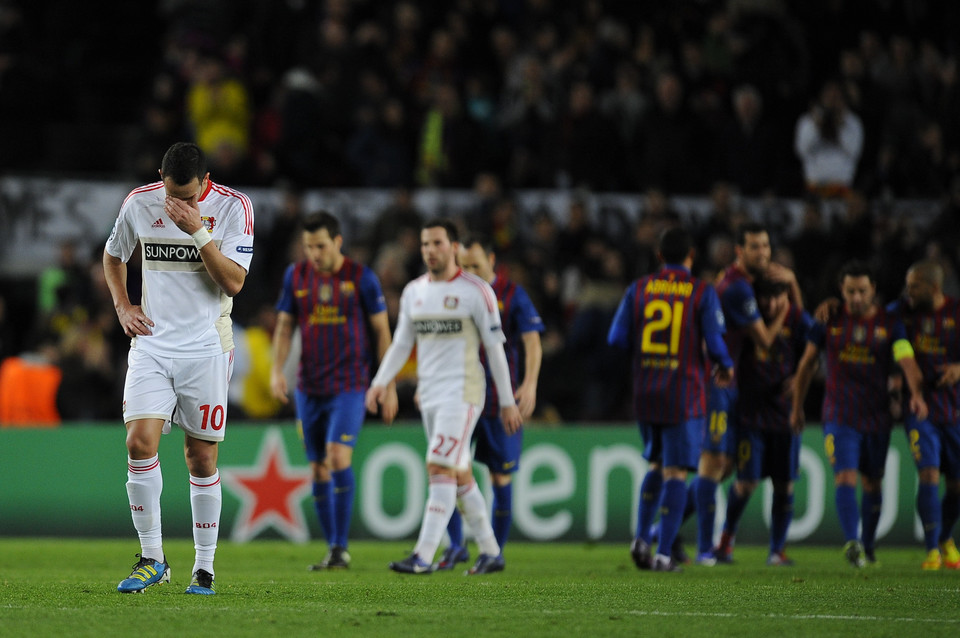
x=481, y=240
x=749, y=228
x=764, y=287
x=182, y=162
x=447, y=224
x=856, y=268
x=321, y=219
x=675, y=245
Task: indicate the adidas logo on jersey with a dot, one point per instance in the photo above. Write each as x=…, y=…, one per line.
x=158, y=223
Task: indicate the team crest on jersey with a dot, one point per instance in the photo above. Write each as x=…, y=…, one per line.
x=209, y=223
x=326, y=292
x=859, y=334
x=347, y=288
x=299, y=294
x=880, y=333
x=927, y=326
x=450, y=302
x=949, y=323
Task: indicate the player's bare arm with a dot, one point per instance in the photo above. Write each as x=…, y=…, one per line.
x=765, y=335
x=802, y=378
x=390, y=404
x=282, y=335
x=226, y=273
x=914, y=379
x=131, y=317
x=526, y=394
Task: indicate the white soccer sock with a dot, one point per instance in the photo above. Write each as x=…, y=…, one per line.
x=474, y=509
x=441, y=499
x=144, y=485
x=206, y=500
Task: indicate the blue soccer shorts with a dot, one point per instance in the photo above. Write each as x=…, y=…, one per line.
x=767, y=453
x=672, y=445
x=720, y=427
x=849, y=449
x=333, y=419
x=935, y=445
x=496, y=449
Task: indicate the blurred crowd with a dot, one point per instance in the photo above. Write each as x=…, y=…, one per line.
x=845, y=105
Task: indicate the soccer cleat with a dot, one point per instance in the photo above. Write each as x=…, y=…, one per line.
x=663, y=563
x=146, y=572
x=933, y=561
x=949, y=554
x=678, y=553
x=202, y=583
x=450, y=557
x=724, y=550
x=853, y=552
x=706, y=559
x=779, y=559
x=487, y=564
x=870, y=556
x=640, y=552
x=336, y=558
x=412, y=564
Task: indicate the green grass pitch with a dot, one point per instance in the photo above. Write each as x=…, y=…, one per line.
x=67, y=587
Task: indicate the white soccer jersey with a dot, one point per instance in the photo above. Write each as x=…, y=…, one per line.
x=448, y=320
x=191, y=312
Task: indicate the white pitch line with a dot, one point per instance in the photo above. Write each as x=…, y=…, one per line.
x=697, y=614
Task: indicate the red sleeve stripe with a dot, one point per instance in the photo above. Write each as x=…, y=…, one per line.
x=488, y=297
x=244, y=201
x=143, y=189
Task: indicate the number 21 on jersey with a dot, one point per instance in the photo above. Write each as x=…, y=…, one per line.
x=662, y=316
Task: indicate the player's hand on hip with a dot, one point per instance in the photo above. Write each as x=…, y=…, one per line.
x=134, y=322
x=186, y=215
x=949, y=374
x=723, y=376
x=511, y=418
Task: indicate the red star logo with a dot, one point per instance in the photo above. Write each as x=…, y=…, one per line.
x=270, y=493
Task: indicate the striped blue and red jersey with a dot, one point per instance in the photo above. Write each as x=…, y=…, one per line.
x=740, y=309
x=665, y=319
x=331, y=310
x=517, y=316
x=764, y=372
x=935, y=337
x=859, y=353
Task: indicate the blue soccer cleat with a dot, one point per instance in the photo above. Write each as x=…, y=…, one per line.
x=450, y=557
x=487, y=564
x=412, y=564
x=706, y=559
x=202, y=583
x=146, y=572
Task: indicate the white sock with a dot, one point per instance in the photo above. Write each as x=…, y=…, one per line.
x=441, y=499
x=474, y=510
x=206, y=500
x=144, y=485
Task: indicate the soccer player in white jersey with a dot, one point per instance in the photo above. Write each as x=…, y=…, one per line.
x=448, y=313
x=196, y=240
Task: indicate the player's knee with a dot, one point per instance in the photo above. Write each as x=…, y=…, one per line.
x=930, y=475
x=501, y=480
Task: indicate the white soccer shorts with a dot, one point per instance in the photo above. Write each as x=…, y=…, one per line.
x=190, y=392
x=449, y=427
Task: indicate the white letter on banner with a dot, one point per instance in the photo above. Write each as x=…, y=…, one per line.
x=410, y=462
x=891, y=493
x=528, y=495
x=812, y=470
x=602, y=462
